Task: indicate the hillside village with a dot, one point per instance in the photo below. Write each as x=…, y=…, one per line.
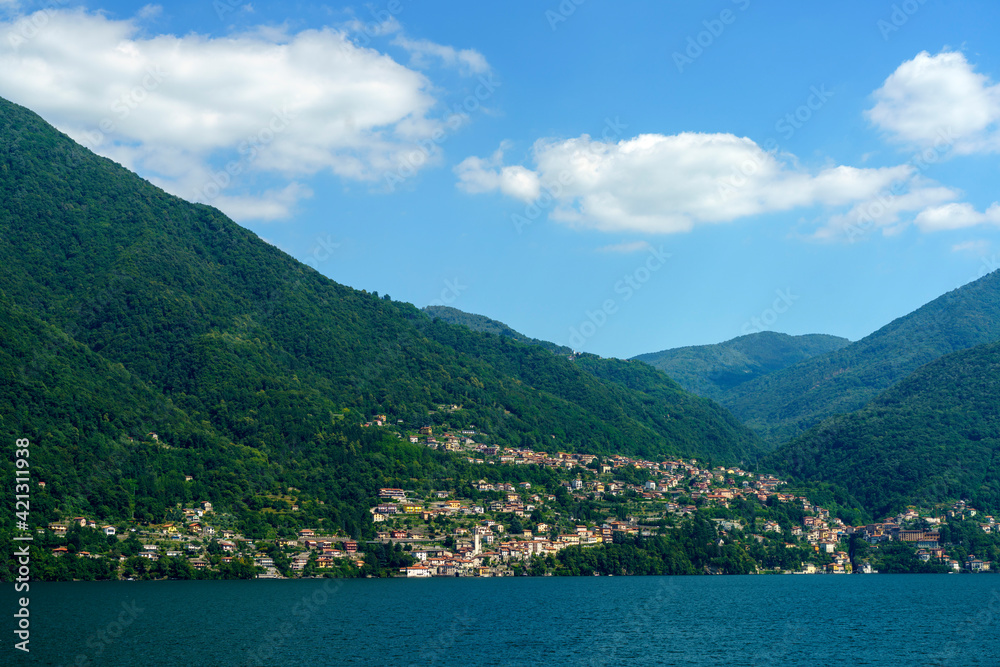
x=498, y=528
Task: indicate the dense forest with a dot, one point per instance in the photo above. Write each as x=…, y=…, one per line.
x=931, y=438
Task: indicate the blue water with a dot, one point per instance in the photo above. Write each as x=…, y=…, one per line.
x=751, y=620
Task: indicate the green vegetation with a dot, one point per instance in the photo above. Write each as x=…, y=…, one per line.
x=484, y=324
x=712, y=370
x=635, y=387
x=894, y=558
x=933, y=437
x=969, y=539
x=693, y=548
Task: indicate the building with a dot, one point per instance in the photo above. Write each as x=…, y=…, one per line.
x=974, y=564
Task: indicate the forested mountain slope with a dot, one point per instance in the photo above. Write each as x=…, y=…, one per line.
x=713, y=370
x=935, y=436
x=785, y=403
x=259, y=357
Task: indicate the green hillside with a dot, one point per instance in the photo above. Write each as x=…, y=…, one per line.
x=109, y=446
x=485, y=324
x=935, y=436
x=712, y=370
x=626, y=377
x=260, y=357
x=783, y=404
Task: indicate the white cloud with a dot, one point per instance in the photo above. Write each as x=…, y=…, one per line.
x=929, y=96
x=520, y=183
x=268, y=205
x=468, y=61
x=956, y=215
x=889, y=210
x=656, y=183
x=478, y=175
x=179, y=109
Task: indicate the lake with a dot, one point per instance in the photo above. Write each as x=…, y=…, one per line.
x=726, y=620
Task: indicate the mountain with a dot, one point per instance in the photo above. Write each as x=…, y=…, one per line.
x=267, y=365
x=629, y=375
x=712, y=370
x=783, y=404
x=934, y=436
x=486, y=325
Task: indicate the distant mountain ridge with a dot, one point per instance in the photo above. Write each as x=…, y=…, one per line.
x=485, y=324
x=629, y=374
x=783, y=404
x=933, y=436
x=712, y=370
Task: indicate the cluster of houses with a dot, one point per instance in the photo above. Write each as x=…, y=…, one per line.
x=189, y=541
x=326, y=550
x=489, y=549
x=670, y=480
x=59, y=528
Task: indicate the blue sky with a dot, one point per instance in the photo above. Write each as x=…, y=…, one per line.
x=619, y=177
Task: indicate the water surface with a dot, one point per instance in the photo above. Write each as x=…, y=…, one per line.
x=748, y=620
